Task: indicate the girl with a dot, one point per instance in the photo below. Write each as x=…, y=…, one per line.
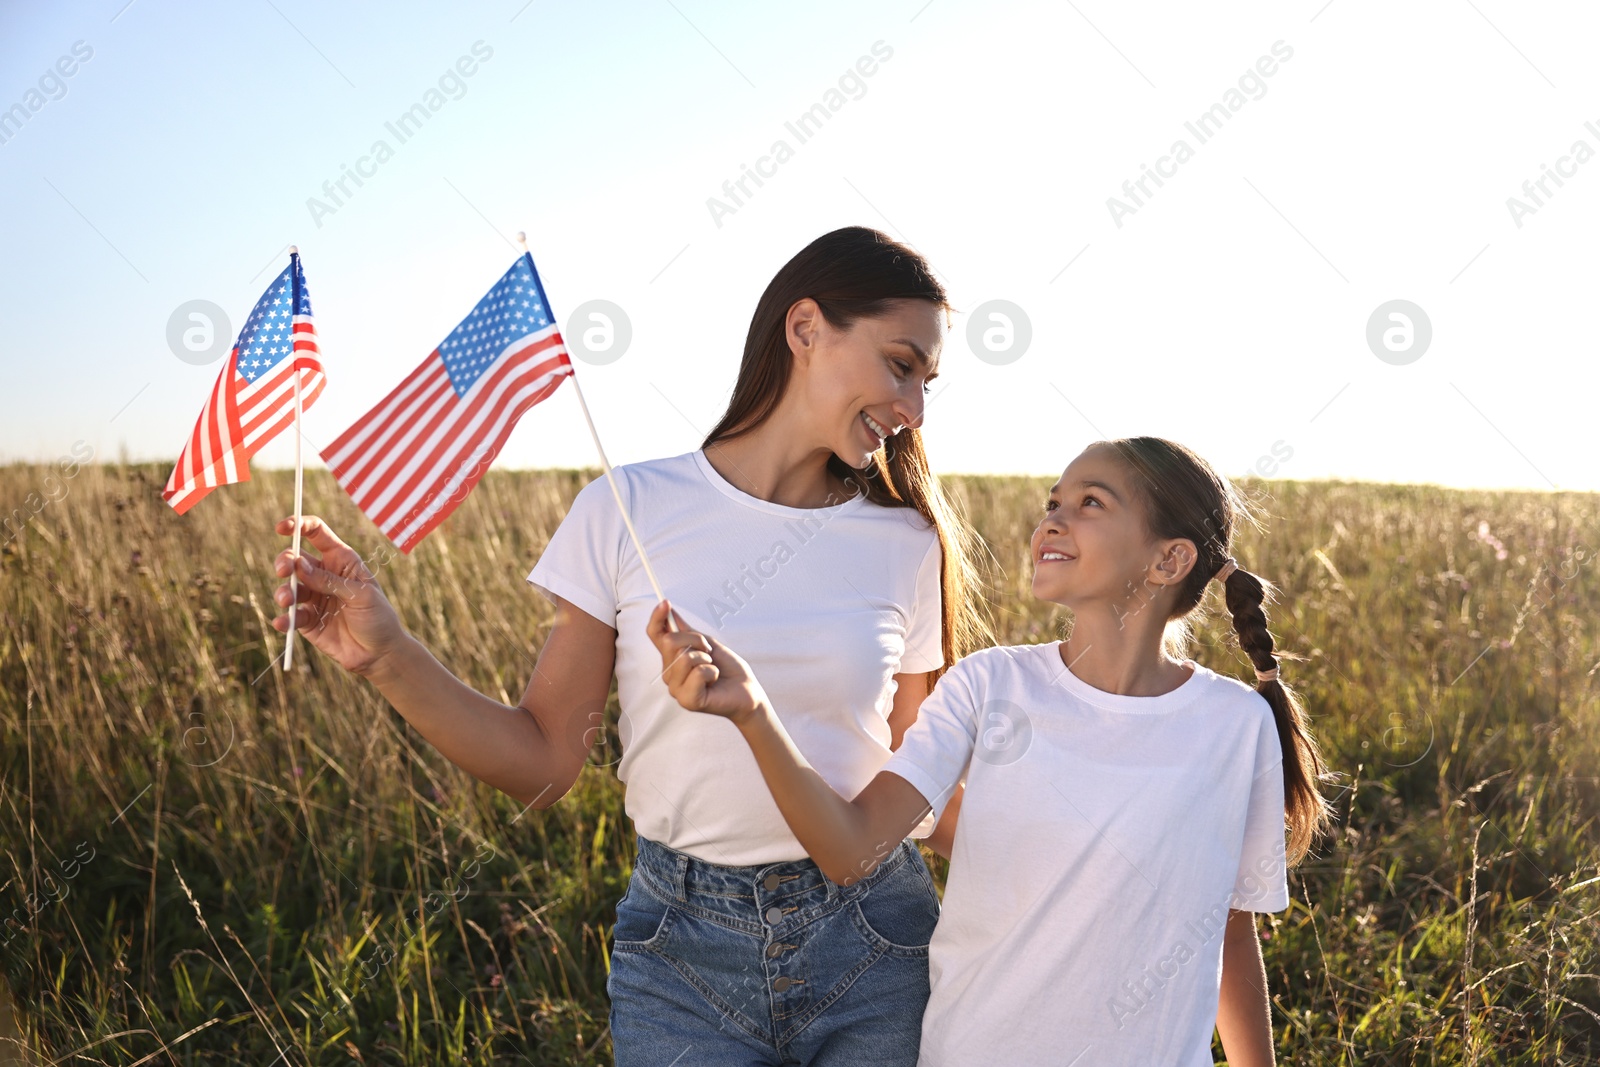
x=1125, y=810
x=793, y=518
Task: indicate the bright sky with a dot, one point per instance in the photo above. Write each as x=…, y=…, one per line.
x=1357, y=154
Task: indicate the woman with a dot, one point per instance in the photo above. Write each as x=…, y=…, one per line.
x=800, y=534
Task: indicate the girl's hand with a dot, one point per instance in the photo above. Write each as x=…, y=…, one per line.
x=340, y=608
x=701, y=672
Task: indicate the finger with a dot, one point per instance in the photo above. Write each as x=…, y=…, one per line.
x=690, y=692
x=313, y=529
x=676, y=675
x=656, y=628
x=720, y=653
x=313, y=572
x=684, y=642
x=308, y=618
x=302, y=594
x=331, y=546
x=705, y=676
x=285, y=561
x=685, y=664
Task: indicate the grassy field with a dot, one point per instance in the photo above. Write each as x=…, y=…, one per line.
x=205, y=861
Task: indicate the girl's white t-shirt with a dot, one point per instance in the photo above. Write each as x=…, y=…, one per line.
x=1102, y=841
x=827, y=605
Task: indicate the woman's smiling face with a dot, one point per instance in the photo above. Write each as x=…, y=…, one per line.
x=1091, y=543
x=866, y=383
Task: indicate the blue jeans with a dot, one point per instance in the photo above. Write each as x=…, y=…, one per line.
x=715, y=966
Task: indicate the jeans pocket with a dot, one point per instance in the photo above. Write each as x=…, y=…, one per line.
x=643, y=919
x=898, y=914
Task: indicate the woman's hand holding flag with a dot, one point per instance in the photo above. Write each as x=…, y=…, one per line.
x=340, y=608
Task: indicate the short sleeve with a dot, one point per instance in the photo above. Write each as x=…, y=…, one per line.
x=935, y=750
x=581, y=561
x=1262, y=881
x=925, y=631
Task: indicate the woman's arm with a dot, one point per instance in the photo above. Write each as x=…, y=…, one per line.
x=846, y=838
x=1244, y=1016
x=533, y=751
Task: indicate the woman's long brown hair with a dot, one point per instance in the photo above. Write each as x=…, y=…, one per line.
x=855, y=273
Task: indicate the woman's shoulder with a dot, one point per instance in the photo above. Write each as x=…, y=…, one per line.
x=659, y=467
x=901, y=519
x=645, y=475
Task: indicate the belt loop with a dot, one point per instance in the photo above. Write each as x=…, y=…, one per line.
x=679, y=868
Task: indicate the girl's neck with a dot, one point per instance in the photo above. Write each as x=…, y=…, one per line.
x=1123, y=657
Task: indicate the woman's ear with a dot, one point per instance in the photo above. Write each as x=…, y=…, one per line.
x=802, y=327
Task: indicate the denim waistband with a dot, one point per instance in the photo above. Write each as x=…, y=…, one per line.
x=759, y=896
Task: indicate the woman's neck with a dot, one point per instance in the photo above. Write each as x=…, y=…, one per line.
x=765, y=465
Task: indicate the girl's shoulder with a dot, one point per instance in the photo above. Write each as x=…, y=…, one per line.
x=1003, y=659
x=1228, y=691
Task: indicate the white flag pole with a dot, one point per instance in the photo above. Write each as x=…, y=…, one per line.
x=522, y=239
x=294, y=573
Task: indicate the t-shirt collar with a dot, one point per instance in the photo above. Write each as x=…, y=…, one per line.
x=733, y=492
x=1059, y=673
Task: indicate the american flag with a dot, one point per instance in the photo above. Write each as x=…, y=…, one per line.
x=253, y=399
x=409, y=461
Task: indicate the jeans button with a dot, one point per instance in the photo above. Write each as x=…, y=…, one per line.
x=774, y=914
x=774, y=951
x=771, y=881
x=780, y=984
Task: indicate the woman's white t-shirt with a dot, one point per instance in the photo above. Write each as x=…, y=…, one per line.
x=1102, y=841
x=826, y=604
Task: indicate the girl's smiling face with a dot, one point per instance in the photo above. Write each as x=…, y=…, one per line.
x=1091, y=544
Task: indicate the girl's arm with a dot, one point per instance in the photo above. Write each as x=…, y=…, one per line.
x=1244, y=1016
x=846, y=838
x=943, y=838
x=910, y=691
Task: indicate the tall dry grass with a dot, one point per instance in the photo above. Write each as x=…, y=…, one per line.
x=206, y=861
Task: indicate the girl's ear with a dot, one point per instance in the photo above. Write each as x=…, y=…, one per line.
x=1177, y=560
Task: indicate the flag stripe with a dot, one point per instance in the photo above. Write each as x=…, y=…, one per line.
x=393, y=444
x=437, y=512
x=267, y=406
x=405, y=419
x=469, y=427
x=281, y=417
x=426, y=447
x=345, y=444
